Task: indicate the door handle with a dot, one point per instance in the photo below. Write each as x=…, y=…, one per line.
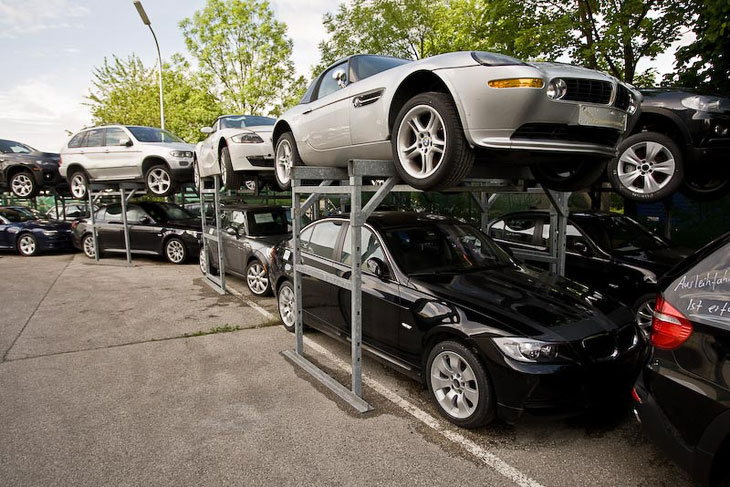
x=307, y=111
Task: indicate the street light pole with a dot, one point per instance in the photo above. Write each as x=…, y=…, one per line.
x=146, y=21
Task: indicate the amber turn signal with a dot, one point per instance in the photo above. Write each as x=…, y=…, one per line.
x=517, y=83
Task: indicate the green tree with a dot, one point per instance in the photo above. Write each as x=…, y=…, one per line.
x=126, y=92
x=245, y=54
x=705, y=63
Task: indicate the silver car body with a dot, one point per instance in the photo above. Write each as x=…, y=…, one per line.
x=356, y=120
x=108, y=161
x=257, y=157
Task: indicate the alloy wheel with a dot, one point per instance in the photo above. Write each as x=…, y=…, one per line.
x=175, y=251
x=421, y=141
x=224, y=175
x=454, y=385
x=250, y=185
x=203, y=259
x=78, y=186
x=22, y=185
x=645, y=315
x=89, y=249
x=158, y=180
x=258, y=281
x=284, y=161
x=287, y=306
x=646, y=167
x=26, y=245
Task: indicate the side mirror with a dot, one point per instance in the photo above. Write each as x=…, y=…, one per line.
x=126, y=142
x=207, y=130
x=232, y=231
x=377, y=267
x=341, y=77
x=145, y=220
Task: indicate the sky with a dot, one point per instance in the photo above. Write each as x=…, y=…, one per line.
x=50, y=47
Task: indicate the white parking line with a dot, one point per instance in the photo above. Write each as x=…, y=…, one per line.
x=489, y=459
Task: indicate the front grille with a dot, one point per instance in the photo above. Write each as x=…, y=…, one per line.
x=588, y=90
x=568, y=133
x=600, y=346
x=623, y=97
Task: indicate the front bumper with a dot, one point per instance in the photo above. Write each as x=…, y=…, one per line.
x=62, y=241
x=251, y=157
x=182, y=170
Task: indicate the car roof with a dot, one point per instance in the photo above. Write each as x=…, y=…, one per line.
x=383, y=220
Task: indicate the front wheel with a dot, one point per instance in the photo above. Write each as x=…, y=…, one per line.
x=159, y=181
x=568, y=176
x=287, y=156
x=459, y=385
x=649, y=167
x=175, y=251
x=429, y=147
x=257, y=278
x=27, y=245
x=79, y=185
x=287, y=306
x=23, y=185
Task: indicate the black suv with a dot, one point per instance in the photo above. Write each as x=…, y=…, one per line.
x=607, y=251
x=682, y=139
x=25, y=170
x=683, y=396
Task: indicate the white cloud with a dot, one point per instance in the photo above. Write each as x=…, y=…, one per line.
x=23, y=17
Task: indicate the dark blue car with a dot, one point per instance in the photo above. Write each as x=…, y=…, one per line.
x=24, y=231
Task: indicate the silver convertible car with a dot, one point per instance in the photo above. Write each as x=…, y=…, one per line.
x=437, y=116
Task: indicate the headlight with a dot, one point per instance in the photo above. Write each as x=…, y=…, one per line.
x=181, y=153
x=556, y=89
x=527, y=349
x=632, y=105
x=517, y=83
x=50, y=233
x=193, y=233
x=247, y=139
x=712, y=104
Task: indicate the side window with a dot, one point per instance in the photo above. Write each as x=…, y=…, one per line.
x=135, y=214
x=369, y=247
x=94, y=138
x=114, y=213
x=572, y=236
x=323, y=239
x=305, y=236
x=77, y=140
x=114, y=136
x=100, y=215
x=519, y=230
x=236, y=219
x=329, y=85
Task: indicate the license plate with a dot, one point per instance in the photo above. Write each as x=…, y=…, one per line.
x=602, y=117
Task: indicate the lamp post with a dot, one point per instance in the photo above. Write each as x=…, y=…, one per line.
x=146, y=21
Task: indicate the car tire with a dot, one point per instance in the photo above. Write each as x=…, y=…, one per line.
x=78, y=184
x=158, y=180
x=88, y=247
x=661, y=151
x=568, y=176
x=205, y=263
x=27, y=245
x=230, y=179
x=426, y=118
x=251, y=185
x=22, y=184
x=257, y=278
x=286, y=157
x=708, y=186
x=452, y=367
x=643, y=310
x=175, y=251
x=287, y=307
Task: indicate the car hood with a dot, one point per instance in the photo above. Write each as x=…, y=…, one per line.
x=529, y=303
x=657, y=261
x=39, y=157
x=47, y=225
x=270, y=240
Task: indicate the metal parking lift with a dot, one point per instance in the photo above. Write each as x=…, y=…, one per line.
x=351, y=186
x=212, y=234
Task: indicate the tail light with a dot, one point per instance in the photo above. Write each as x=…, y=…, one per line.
x=669, y=328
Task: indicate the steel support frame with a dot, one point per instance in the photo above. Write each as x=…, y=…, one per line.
x=209, y=234
x=125, y=192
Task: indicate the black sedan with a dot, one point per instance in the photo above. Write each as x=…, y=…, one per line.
x=22, y=230
x=25, y=170
x=446, y=305
x=154, y=229
x=250, y=233
x=607, y=251
x=683, y=396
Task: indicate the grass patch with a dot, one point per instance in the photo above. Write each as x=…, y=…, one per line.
x=214, y=331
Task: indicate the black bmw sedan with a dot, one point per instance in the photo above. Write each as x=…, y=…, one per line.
x=25, y=170
x=447, y=306
x=155, y=228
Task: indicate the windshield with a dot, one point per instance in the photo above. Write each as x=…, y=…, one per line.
x=444, y=248
x=267, y=222
x=17, y=215
x=615, y=233
x=165, y=212
x=242, y=121
x=152, y=134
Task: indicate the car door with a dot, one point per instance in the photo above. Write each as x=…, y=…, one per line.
x=144, y=232
x=4, y=234
x=121, y=159
x=233, y=240
x=381, y=309
x=110, y=232
x=326, y=121
x=368, y=121
x=93, y=155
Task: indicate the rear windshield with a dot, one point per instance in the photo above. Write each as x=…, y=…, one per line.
x=267, y=222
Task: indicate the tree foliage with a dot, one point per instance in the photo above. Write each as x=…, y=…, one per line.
x=705, y=63
x=245, y=55
x=126, y=92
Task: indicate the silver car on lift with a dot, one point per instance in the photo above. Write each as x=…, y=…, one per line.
x=435, y=117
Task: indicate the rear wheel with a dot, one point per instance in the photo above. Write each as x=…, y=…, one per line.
x=287, y=306
x=644, y=311
x=87, y=244
x=27, y=245
x=158, y=180
x=459, y=385
x=568, y=176
x=23, y=185
x=79, y=184
x=231, y=180
x=706, y=185
x=287, y=156
x=175, y=251
x=429, y=147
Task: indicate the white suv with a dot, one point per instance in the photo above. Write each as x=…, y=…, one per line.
x=126, y=153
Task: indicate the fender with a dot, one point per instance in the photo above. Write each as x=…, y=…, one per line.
x=673, y=117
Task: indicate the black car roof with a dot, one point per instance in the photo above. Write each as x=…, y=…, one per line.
x=390, y=219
